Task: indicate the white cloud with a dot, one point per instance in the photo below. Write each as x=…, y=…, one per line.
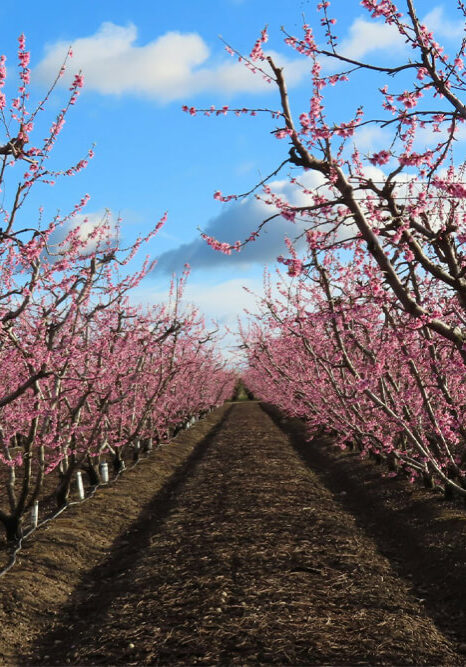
x=112, y=63
x=174, y=66
x=87, y=226
x=367, y=36
x=223, y=302
x=436, y=21
x=226, y=300
x=370, y=138
x=427, y=138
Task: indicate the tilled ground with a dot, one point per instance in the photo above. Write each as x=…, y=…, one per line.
x=56, y=562
x=249, y=559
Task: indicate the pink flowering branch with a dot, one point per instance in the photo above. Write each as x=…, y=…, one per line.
x=394, y=231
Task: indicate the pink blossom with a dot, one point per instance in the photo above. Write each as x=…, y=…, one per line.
x=78, y=82
x=422, y=72
x=219, y=197
x=257, y=53
x=383, y=8
x=382, y=157
x=409, y=99
x=295, y=267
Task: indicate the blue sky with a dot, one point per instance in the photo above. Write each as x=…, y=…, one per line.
x=142, y=61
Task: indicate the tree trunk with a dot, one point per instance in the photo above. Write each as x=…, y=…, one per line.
x=13, y=527
x=92, y=472
x=118, y=463
x=63, y=490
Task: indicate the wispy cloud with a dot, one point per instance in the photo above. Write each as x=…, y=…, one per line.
x=368, y=36
x=173, y=66
x=442, y=26
x=223, y=302
x=370, y=138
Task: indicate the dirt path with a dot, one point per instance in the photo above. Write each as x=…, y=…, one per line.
x=249, y=559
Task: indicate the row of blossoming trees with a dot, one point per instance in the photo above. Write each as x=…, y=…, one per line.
x=359, y=369
x=369, y=341
x=84, y=373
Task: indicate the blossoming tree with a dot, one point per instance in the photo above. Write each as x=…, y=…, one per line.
x=84, y=373
x=384, y=240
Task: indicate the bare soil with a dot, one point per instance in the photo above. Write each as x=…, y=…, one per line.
x=240, y=543
x=57, y=560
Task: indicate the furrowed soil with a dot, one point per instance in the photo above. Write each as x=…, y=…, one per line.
x=240, y=543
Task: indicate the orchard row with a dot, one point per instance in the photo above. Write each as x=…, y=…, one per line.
x=85, y=374
x=369, y=339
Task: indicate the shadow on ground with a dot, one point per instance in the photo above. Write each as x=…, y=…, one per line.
x=422, y=535
x=111, y=578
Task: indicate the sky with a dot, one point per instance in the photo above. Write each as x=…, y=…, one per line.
x=141, y=62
